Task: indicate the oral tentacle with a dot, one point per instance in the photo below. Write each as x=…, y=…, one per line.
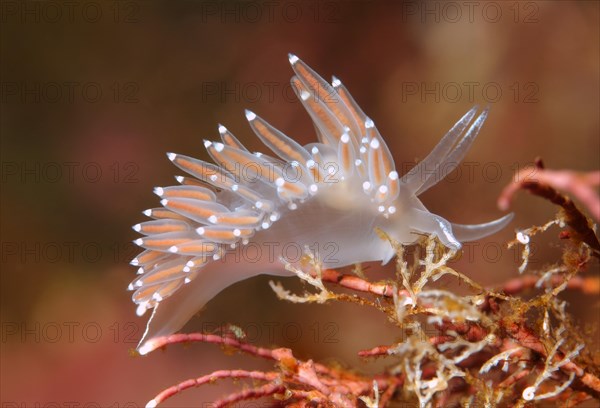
x=472, y=232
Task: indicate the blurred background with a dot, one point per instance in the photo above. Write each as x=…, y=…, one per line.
x=94, y=93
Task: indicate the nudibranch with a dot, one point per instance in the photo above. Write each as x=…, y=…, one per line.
x=249, y=213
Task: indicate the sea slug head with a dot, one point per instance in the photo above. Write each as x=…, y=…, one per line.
x=407, y=218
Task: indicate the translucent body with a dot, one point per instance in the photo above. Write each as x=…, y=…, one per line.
x=250, y=213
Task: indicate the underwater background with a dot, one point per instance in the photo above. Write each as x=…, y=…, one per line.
x=94, y=93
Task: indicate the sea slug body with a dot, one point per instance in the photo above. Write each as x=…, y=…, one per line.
x=240, y=216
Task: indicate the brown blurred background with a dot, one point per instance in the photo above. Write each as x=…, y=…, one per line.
x=94, y=93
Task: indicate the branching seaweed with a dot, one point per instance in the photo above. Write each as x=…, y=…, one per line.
x=513, y=345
